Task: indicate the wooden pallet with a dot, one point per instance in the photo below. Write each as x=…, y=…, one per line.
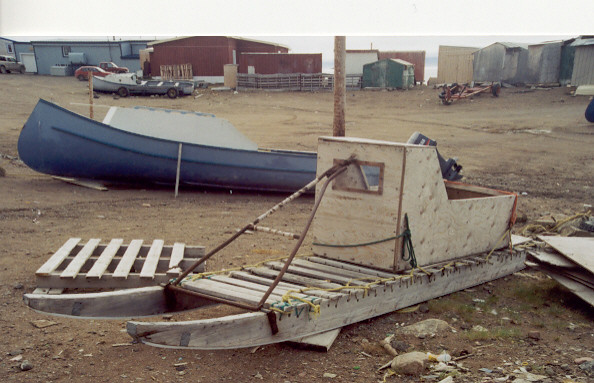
x=369, y=293
x=114, y=265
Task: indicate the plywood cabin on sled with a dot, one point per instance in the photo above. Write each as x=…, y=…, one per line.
x=363, y=212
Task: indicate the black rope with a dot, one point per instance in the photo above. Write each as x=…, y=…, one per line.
x=407, y=245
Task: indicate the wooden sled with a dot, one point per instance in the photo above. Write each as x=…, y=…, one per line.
x=380, y=200
x=133, y=270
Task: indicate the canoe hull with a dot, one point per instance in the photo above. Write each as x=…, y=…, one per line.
x=58, y=142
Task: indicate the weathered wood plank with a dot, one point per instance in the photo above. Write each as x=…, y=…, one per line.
x=123, y=268
x=332, y=270
x=77, y=263
x=177, y=254
x=317, y=274
x=267, y=282
x=105, y=258
x=56, y=259
x=279, y=291
x=317, y=342
x=229, y=292
x=293, y=278
x=107, y=281
x=351, y=267
x=152, y=259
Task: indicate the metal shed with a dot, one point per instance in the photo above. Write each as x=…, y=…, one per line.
x=355, y=59
x=543, y=63
x=568, y=51
x=583, y=63
x=272, y=63
x=505, y=62
x=207, y=55
x=454, y=64
x=417, y=58
x=389, y=73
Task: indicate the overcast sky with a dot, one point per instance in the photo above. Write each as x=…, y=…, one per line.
x=308, y=26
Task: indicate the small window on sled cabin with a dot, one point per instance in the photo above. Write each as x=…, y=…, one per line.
x=361, y=177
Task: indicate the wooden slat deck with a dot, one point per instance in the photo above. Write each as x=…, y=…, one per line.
x=315, y=280
x=116, y=265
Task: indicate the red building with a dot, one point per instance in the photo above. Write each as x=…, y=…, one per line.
x=272, y=63
x=207, y=54
x=417, y=58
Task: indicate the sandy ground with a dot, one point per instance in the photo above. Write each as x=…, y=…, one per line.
x=533, y=142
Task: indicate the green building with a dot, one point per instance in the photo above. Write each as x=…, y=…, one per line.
x=389, y=73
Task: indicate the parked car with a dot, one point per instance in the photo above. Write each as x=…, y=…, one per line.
x=10, y=64
x=82, y=73
x=112, y=67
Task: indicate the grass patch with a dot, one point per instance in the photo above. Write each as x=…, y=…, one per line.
x=455, y=304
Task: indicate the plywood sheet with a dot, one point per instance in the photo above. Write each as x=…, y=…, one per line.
x=578, y=249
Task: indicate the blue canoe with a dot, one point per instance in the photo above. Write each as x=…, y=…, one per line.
x=59, y=142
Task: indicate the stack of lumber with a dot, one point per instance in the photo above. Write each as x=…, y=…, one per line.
x=570, y=261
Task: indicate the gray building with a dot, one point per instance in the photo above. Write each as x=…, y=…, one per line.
x=506, y=62
x=72, y=54
x=544, y=61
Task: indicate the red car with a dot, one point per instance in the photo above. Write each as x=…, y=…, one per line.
x=112, y=67
x=82, y=73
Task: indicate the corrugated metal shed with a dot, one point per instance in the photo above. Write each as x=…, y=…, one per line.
x=417, y=58
x=583, y=65
x=207, y=54
x=389, y=73
x=568, y=57
x=356, y=58
x=454, y=64
x=272, y=63
x=505, y=62
x=544, y=63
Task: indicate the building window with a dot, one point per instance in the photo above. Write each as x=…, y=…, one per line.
x=65, y=51
x=9, y=48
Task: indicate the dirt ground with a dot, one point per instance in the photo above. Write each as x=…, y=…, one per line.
x=533, y=142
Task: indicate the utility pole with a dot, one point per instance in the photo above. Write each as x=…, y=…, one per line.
x=339, y=86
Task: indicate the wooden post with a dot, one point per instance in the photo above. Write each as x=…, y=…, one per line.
x=90, y=94
x=339, y=86
x=179, y=153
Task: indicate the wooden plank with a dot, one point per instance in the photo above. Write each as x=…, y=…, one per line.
x=107, y=281
x=267, y=282
x=123, y=268
x=152, y=259
x=77, y=263
x=229, y=292
x=552, y=259
x=293, y=278
x=84, y=183
x=578, y=249
x=177, y=254
x=351, y=267
x=333, y=270
x=56, y=259
x=279, y=291
x=252, y=329
x=105, y=258
x=318, y=342
x=317, y=274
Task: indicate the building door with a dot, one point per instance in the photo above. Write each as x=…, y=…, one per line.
x=28, y=60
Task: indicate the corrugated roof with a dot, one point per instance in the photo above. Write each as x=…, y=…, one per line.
x=582, y=42
x=229, y=37
x=400, y=61
x=513, y=45
x=88, y=41
x=362, y=51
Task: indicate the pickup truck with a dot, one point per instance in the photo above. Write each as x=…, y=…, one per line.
x=111, y=67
